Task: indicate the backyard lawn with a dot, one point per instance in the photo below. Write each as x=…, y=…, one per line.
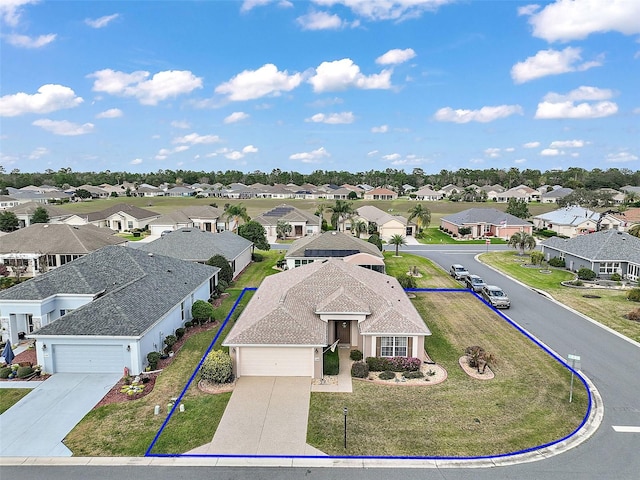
x=609, y=309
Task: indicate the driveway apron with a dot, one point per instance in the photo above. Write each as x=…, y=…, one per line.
x=265, y=416
x=37, y=424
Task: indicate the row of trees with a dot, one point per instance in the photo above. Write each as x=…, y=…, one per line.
x=573, y=177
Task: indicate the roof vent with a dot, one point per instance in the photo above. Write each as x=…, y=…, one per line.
x=150, y=254
x=333, y=233
x=45, y=225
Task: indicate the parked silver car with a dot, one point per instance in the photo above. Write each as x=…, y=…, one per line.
x=495, y=296
x=458, y=272
x=474, y=282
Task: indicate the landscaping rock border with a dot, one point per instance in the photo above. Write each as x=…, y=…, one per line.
x=472, y=372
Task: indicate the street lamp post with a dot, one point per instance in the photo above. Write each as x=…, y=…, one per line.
x=344, y=410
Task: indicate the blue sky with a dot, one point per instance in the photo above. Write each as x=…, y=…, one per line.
x=349, y=85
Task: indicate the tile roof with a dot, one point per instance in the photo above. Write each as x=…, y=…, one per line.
x=331, y=240
x=606, y=245
x=132, y=210
x=58, y=238
x=197, y=246
x=132, y=290
x=284, y=310
x=491, y=216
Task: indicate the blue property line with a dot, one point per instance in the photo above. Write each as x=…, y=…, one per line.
x=195, y=372
x=400, y=457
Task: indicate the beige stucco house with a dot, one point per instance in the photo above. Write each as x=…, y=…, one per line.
x=388, y=225
x=296, y=314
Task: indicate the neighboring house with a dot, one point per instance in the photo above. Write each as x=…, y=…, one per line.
x=554, y=195
x=149, y=191
x=622, y=221
x=616, y=197
x=122, y=217
x=180, y=192
x=105, y=311
x=339, y=193
x=195, y=245
x=24, y=196
x=606, y=252
x=521, y=192
x=450, y=189
x=25, y=212
x=427, y=194
x=387, y=225
x=380, y=193
x=204, y=217
x=294, y=315
x=302, y=223
x=96, y=192
x=332, y=244
x=7, y=202
x=569, y=221
x=45, y=246
x=485, y=222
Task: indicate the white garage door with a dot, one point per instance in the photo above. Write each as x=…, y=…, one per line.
x=88, y=358
x=276, y=362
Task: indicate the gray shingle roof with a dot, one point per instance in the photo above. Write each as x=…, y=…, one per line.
x=133, y=289
x=374, y=214
x=284, y=310
x=195, y=245
x=331, y=240
x=491, y=216
x=606, y=245
x=135, y=212
x=286, y=213
x=30, y=207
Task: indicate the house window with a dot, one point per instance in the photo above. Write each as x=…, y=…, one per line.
x=608, y=268
x=393, y=346
x=30, y=323
x=65, y=311
x=129, y=225
x=107, y=223
x=300, y=262
x=182, y=310
x=52, y=260
x=68, y=258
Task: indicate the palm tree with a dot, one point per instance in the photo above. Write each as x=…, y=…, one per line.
x=421, y=214
x=237, y=212
x=359, y=227
x=341, y=211
x=522, y=240
x=397, y=240
x=635, y=230
x=283, y=229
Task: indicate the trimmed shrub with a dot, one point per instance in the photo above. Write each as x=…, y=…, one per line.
x=401, y=364
x=24, y=372
x=464, y=231
x=201, y=311
x=4, y=372
x=616, y=277
x=355, y=355
x=331, y=363
x=634, y=295
x=217, y=367
x=257, y=257
x=226, y=272
x=586, y=274
x=180, y=333
x=375, y=239
x=547, y=233
x=153, y=358
x=557, y=262
x=170, y=341
x=377, y=364
x=387, y=375
x=359, y=370
x=413, y=374
x=406, y=281
x=633, y=315
x=188, y=324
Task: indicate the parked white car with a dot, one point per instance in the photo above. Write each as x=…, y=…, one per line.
x=495, y=296
x=474, y=282
x=458, y=272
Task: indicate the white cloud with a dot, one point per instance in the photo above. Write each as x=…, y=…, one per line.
x=332, y=118
x=10, y=10
x=183, y=124
x=310, y=157
x=476, y=161
x=531, y=145
x=396, y=56
x=236, y=117
x=520, y=161
x=636, y=111
x=621, y=157
x=342, y=74
x=492, y=152
x=248, y=5
x=391, y=156
x=163, y=153
x=111, y=113
x=484, y=115
x=372, y=153
x=594, y=104
x=551, y=62
x=567, y=20
x=63, y=127
x=320, y=21
x=252, y=84
x=136, y=161
x=380, y=129
x=181, y=148
x=580, y=93
x=38, y=153
x=148, y=91
x=196, y=139
x=528, y=10
x=567, y=144
x=48, y=99
x=250, y=149
x=102, y=21
x=234, y=155
x=551, y=152
x=387, y=9
x=26, y=41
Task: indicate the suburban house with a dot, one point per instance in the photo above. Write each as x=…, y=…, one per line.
x=622, y=221
x=521, y=192
x=204, y=217
x=195, y=245
x=556, y=194
x=25, y=212
x=294, y=315
x=380, y=193
x=7, y=202
x=45, y=246
x=387, y=225
x=332, y=244
x=485, y=222
x=122, y=217
x=106, y=310
x=96, y=192
x=302, y=223
x=569, y=221
x=606, y=252
x=427, y=194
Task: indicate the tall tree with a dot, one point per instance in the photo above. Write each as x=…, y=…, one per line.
x=254, y=232
x=40, y=215
x=522, y=240
x=635, y=230
x=359, y=227
x=283, y=228
x=518, y=208
x=226, y=272
x=237, y=212
x=422, y=215
x=341, y=211
x=8, y=221
x=397, y=240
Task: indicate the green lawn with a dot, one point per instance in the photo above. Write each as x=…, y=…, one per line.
x=524, y=406
x=433, y=235
x=10, y=396
x=431, y=276
x=609, y=309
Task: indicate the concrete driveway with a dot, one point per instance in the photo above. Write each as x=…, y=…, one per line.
x=37, y=424
x=265, y=416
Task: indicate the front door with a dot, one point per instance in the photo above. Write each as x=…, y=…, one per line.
x=343, y=332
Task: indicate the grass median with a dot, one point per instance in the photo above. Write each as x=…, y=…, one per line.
x=10, y=396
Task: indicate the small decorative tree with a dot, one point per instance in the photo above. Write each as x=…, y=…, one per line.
x=202, y=311
x=537, y=257
x=217, y=367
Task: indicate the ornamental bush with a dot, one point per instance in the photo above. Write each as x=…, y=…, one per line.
x=24, y=372
x=413, y=374
x=4, y=372
x=217, y=367
x=331, y=363
x=180, y=332
x=557, y=262
x=634, y=295
x=170, y=341
x=633, y=315
x=377, y=364
x=201, y=311
x=402, y=364
x=406, y=281
x=616, y=277
x=153, y=358
x=359, y=370
x=586, y=274
x=355, y=355
x=387, y=375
